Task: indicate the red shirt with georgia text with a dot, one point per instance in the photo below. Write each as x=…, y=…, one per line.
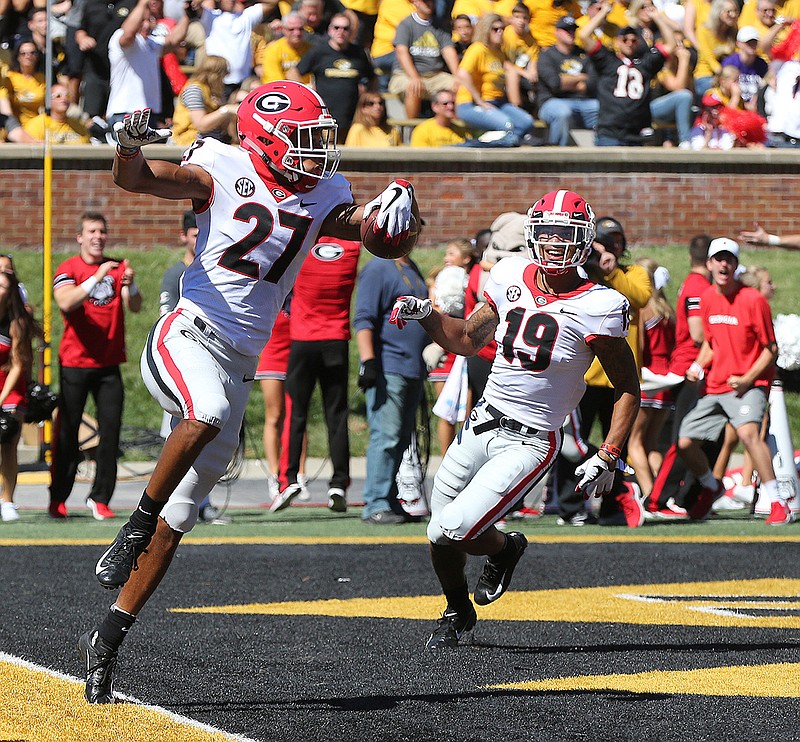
x=94, y=333
x=738, y=327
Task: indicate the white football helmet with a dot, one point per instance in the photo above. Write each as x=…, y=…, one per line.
x=559, y=231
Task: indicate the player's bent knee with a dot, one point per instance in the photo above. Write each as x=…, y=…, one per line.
x=214, y=409
x=447, y=527
x=181, y=516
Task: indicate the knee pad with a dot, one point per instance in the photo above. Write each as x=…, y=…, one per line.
x=214, y=409
x=446, y=527
x=180, y=514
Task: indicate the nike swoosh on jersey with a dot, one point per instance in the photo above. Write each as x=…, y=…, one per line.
x=247, y=379
x=310, y=203
x=572, y=314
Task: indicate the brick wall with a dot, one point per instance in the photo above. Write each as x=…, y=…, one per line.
x=660, y=200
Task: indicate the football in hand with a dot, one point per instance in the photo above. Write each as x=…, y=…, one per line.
x=380, y=245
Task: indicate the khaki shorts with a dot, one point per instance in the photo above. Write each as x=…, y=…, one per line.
x=433, y=82
x=706, y=421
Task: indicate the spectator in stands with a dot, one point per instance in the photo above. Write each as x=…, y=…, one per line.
x=320, y=332
x=37, y=33
x=228, y=28
x=173, y=79
x=441, y=130
x=716, y=39
x=382, y=50
x=201, y=110
x=463, y=31
x=672, y=96
x=521, y=48
x=22, y=93
x=545, y=14
x=92, y=290
x=738, y=358
x=695, y=15
x=366, y=15
x=99, y=21
x=658, y=329
x=426, y=59
x=752, y=68
x=370, y=127
x=342, y=72
x=280, y=55
x=134, y=56
x=63, y=129
x=624, y=78
x=313, y=14
x=605, y=33
x=73, y=56
x=566, y=88
x=16, y=329
x=481, y=101
x=708, y=131
x=392, y=375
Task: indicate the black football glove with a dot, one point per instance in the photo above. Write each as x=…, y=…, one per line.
x=368, y=374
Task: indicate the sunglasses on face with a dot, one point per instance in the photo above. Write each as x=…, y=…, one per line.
x=340, y=28
x=371, y=103
x=497, y=29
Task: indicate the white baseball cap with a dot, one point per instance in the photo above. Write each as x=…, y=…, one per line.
x=723, y=244
x=747, y=33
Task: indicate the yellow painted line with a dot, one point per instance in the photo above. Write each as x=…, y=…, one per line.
x=678, y=604
x=771, y=538
x=757, y=681
x=33, y=477
x=43, y=705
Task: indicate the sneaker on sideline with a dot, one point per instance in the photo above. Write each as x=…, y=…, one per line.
x=497, y=572
x=284, y=499
x=57, y=510
x=631, y=505
x=337, y=500
x=8, y=512
x=304, y=495
x=707, y=497
x=451, y=629
x=780, y=514
x=100, y=511
x=525, y=513
x=579, y=519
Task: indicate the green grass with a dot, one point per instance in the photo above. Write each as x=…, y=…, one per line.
x=316, y=522
x=142, y=412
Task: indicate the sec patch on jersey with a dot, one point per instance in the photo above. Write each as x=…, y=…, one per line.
x=382, y=247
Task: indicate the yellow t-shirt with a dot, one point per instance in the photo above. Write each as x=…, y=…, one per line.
x=183, y=130
x=710, y=51
x=520, y=50
x=278, y=57
x=485, y=67
x=25, y=94
x=702, y=8
x=431, y=134
x=390, y=13
x=70, y=132
x=544, y=17
x=372, y=136
x=473, y=8
x=367, y=7
x=618, y=16
x=608, y=32
x=504, y=7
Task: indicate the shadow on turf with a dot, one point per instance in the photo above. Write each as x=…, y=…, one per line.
x=610, y=648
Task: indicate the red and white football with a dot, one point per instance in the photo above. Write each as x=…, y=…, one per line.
x=377, y=242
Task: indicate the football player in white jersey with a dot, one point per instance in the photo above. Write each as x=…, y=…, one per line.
x=549, y=321
x=259, y=210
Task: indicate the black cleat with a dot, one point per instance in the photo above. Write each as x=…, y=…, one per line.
x=114, y=568
x=496, y=575
x=99, y=668
x=451, y=628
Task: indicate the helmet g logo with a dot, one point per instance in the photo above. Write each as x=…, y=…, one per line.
x=273, y=103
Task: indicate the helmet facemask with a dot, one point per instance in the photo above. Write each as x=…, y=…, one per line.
x=559, y=232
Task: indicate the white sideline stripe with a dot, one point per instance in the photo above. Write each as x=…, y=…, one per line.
x=11, y=659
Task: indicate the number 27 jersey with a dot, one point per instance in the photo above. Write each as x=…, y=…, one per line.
x=253, y=236
x=543, y=342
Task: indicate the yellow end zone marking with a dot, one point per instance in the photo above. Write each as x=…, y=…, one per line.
x=355, y=540
x=682, y=604
x=49, y=706
x=767, y=681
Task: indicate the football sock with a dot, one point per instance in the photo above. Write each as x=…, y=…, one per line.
x=146, y=514
x=458, y=599
x=508, y=550
x=771, y=490
x=114, y=628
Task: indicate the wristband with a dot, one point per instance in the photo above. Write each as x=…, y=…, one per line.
x=697, y=369
x=133, y=290
x=89, y=284
x=128, y=154
x=773, y=239
x=611, y=451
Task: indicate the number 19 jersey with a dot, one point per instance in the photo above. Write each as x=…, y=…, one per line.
x=253, y=236
x=543, y=342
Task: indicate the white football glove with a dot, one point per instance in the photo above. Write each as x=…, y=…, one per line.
x=394, y=210
x=134, y=131
x=409, y=307
x=597, y=476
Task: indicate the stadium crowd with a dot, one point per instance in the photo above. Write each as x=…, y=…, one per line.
x=697, y=74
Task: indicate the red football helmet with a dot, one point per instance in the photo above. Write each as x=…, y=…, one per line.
x=288, y=125
x=566, y=216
